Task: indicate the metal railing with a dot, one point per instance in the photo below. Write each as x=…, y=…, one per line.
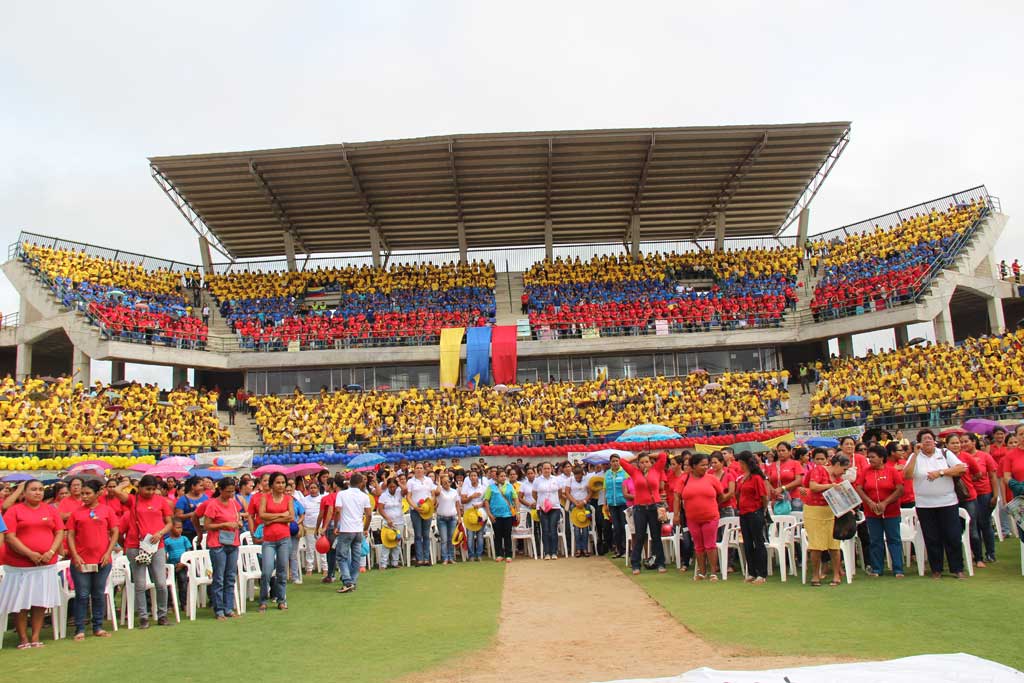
x=120, y=255
x=936, y=413
x=10, y=320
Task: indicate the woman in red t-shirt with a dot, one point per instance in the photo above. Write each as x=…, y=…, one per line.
x=818, y=518
x=785, y=476
x=752, y=493
x=646, y=479
x=880, y=486
x=699, y=495
x=276, y=513
x=222, y=520
x=727, y=479
x=92, y=535
x=986, y=483
x=34, y=534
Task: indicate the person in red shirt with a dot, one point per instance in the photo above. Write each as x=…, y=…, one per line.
x=986, y=482
x=880, y=486
x=325, y=522
x=146, y=520
x=35, y=532
x=222, y=517
x=699, y=495
x=785, y=476
x=276, y=513
x=818, y=518
x=92, y=534
x=727, y=479
x=647, y=480
x=254, y=507
x=974, y=472
x=752, y=495
x=73, y=501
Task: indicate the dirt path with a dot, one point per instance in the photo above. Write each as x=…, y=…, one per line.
x=549, y=630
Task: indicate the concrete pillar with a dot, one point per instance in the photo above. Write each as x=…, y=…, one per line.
x=289, y=251
x=801, y=228
x=720, y=231
x=375, y=246
x=23, y=362
x=204, y=254
x=116, y=371
x=943, y=327
x=179, y=376
x=81, y=367
x=996, y=320
x=902, y=333
x=549, y=240
x=634, y=236
x=463, y=248
x=846, y=345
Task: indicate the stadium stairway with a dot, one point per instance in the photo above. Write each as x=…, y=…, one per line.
x=508, y=292
x=799, y=409
x=243, y=433
x=220, y=337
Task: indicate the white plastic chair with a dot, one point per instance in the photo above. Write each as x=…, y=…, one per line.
x=911, y=536
x=245, y=538
x=200, y=575
x=965, y=541
x=522, y=531
x=249, y=573
x=670, y=544
x=172, y=591
x=67, y=595
x=782, y=542
x=630, y=531
x=847, y=550
x=1020, y=542
x=561, y=533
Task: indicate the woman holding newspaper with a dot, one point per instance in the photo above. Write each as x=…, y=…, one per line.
x=819, y=519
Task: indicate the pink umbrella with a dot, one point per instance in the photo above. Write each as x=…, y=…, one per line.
x=141, y=467
x=85, y=468
x=268, y=469
x=302, y=470
x=164, y=472
x=99, y=463
x=178, y=461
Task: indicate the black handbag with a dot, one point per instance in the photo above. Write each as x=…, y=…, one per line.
x=959, y=486
x=845, y=526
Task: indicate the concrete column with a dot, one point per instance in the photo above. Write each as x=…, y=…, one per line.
x=943, y=327
x=549, y=240
x=634, y=236
x=996, y=320
x=116, y=371
x=375, y=246
x=846, y=345
x=23, y=362
x=801, y=228
x=289, y=251
x=463, y=248
x=179, y=376
x=204, y=254
x=720, y=231
x=902, y=333
x=81, y=367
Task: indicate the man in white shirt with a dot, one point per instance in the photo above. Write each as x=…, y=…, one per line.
x=353, y=520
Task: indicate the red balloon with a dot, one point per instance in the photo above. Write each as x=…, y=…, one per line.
x=666, y=529
x=323, y=546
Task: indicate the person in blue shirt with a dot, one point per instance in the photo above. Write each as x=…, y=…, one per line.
x=185, y=508
x=500, y=503
x=615, y=504
x=176, y=545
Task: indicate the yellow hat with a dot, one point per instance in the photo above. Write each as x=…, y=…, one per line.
x=580, y=517
x=426, y=508
x=473, y=520
x=458, y=536
x=596, y=485
x=390, y=538
x=405, y=505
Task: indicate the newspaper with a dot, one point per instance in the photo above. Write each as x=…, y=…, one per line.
x=842, y=498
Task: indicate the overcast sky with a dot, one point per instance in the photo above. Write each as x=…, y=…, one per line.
x=89, y=90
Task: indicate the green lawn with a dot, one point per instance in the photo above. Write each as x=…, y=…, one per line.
x=372, y=629
x=869, y=619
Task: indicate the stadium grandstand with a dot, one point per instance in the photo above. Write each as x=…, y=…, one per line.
x=515, y=288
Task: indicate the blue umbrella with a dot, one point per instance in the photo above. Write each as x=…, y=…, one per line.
x=365, y=460
x=648, y=432
x=19, y=476
x=212, y=474
x=854, y=398
x=821, y=442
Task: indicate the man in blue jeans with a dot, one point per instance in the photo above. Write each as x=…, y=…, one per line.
x=352, y=522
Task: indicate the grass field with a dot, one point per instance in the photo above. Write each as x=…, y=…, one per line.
x=869, y=619
x=322, y=637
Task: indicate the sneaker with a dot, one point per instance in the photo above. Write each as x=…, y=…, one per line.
x=143, y=624
x=162, y=621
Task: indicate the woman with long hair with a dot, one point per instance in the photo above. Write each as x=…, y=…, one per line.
x=500, y=503
x=986, y=483
x=276, y=513
x=819, y=522
x=785, y=476
x=728, y=481
x=92, y=534
x=698, y=495
x=420, y=490
x=752, y=497
x=223, y=523
x=547, y=494
x=647, y=478
x=449, y=509
x=187, y=504
x=34, y=534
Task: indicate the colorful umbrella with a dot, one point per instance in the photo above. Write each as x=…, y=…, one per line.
x=268, y=469
x=365, y=460
x=85, y=469
x=304, y=469
x=980, y=425
x=951, y=431
x=141, y=467
x=821, y=442
x=603, y=456
x=752, y=446
x=854, y=398
x=99, y=463
x=19, y=476
x=648, y=432
x=212, y=474
x=178, y=460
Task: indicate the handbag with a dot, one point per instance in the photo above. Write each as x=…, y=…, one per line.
x=959, y=485
x=226, y=537
x=146, y=548
x=845, y=526
x=784, y=506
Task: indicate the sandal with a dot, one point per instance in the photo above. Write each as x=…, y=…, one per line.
x=698, y=577
x=833, y=583
x=282, y=606
x=100, y=634
x=713, y=578
x=815, y=582
x=36, y=643
x=263, y=608
x=79, y=637
x=23, y=646
x=635, y=572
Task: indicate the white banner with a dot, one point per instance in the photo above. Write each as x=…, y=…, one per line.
x=235, y=460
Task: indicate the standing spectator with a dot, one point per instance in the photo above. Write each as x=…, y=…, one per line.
x=311, y=505
x=1016, y=271
x=389, y=506
x=647, y=479
x=419, y=490
x=186, y=506
x=232, y=406
x=206, y=315
x=805, y=379
x=353, y=521
x=223, y=523
x=148, y=519
x=986, y=483
x=698, y=495
x=500, y=503
x=577, y=493
x=175, y=546
x=880, y=486
x=819, y=522
x=34, y=533
x=472, y=494
x=932, y=470
x=92, y=534
x=1003, y=271
x=449, y=509
x=752, y=496
x=546, y=491
x=615, y=504
x=276, y=513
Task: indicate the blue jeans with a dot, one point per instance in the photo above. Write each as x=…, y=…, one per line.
x=975, y=537
x=421, y=534
x=988, y=535
x=225, y=568
x=90, y=586
x=890, y=528
x=275, y=569
x=293, y=564
x=581, y=539
x=350, y=556
x=549, y=531
x=475, y=541
x=446, y=527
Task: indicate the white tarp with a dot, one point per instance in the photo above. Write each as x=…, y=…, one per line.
x=955, y=668
x=235, y=460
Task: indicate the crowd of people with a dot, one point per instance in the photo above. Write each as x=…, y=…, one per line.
x=406, y=512
x=537, y=412
x=62, y=415
x=884, y=267
x=927, y=384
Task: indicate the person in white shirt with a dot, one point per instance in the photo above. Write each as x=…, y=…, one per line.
x=311, y=502
x=577, y=493
x=933, y=469
x=449, y=508
x=420, y=489
x=472, y=494
x=547, y=493
x=389, y=506
x=353, y=521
